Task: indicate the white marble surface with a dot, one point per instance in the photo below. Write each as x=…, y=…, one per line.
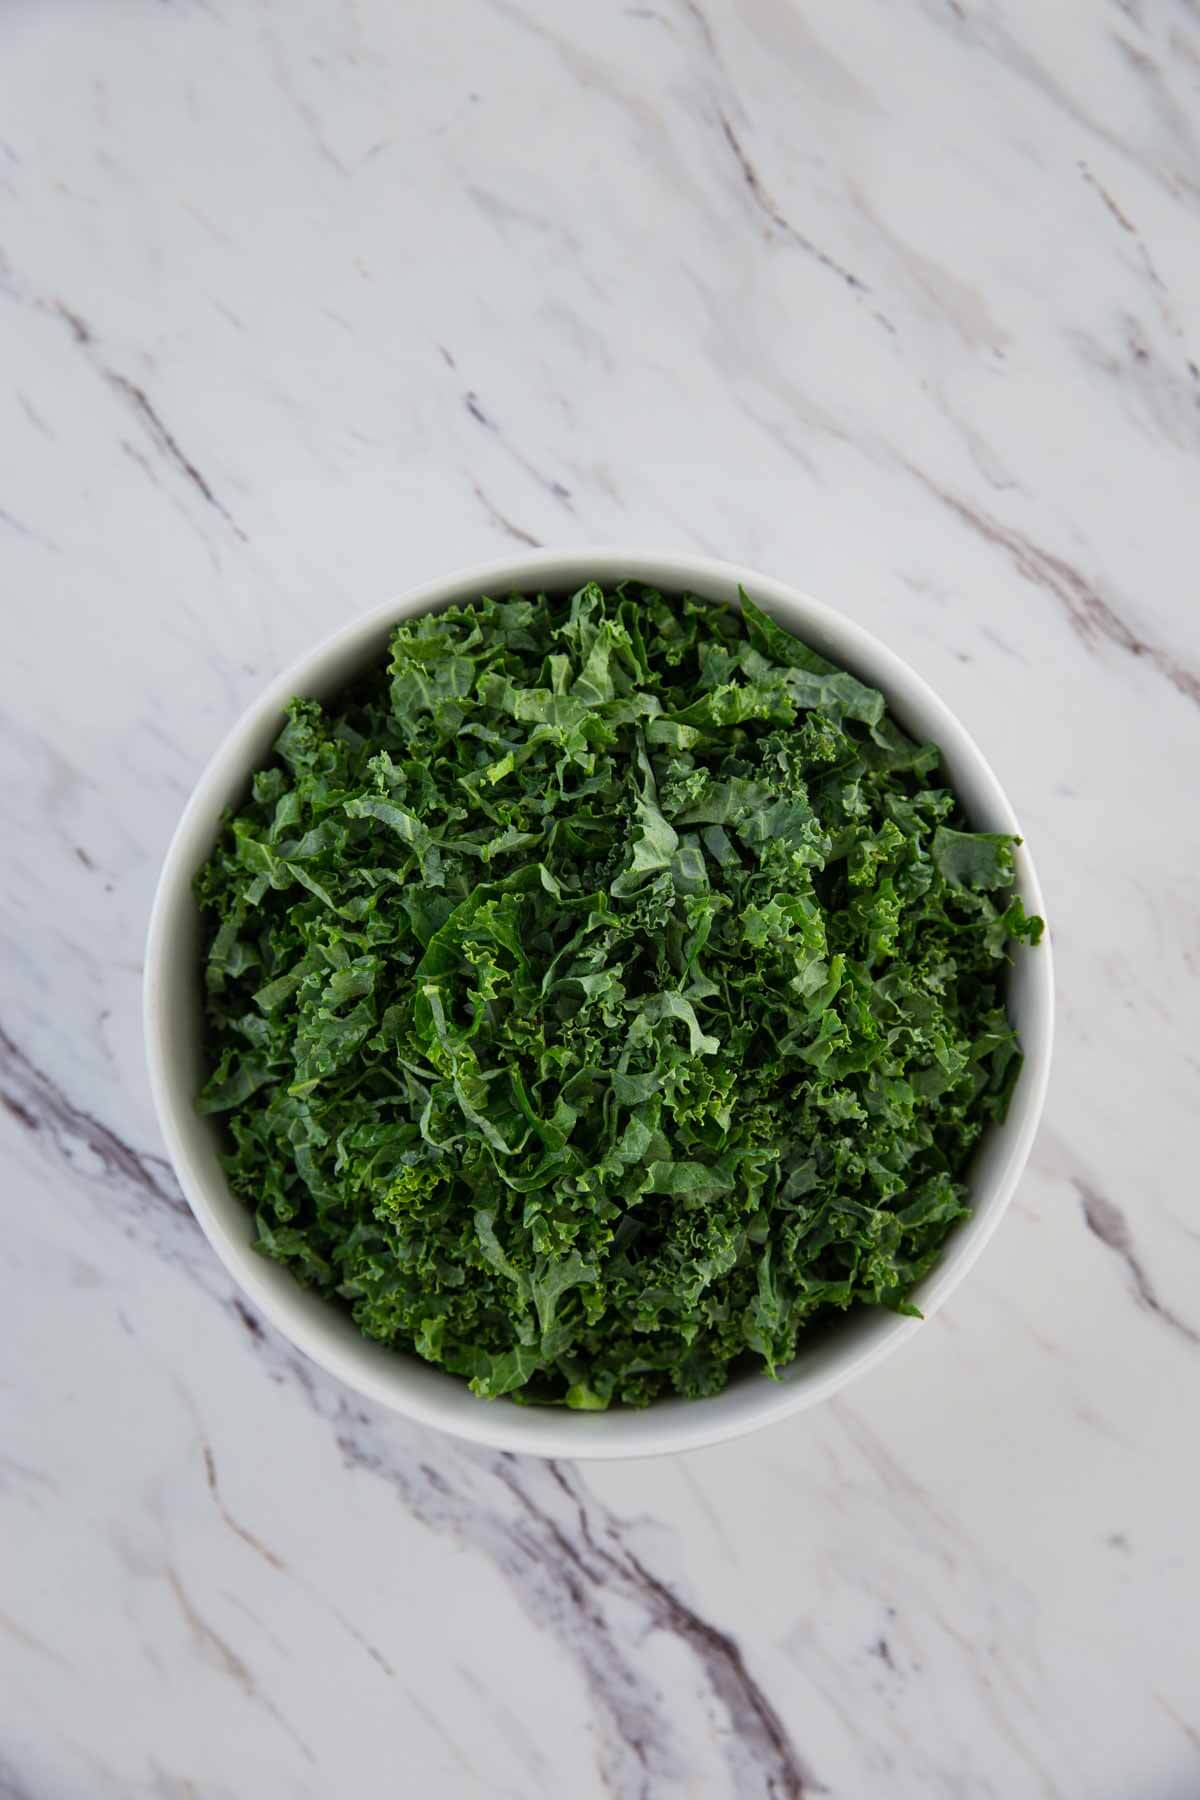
x=301, y=303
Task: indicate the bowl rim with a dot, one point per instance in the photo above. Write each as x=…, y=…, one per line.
x=668, y=1425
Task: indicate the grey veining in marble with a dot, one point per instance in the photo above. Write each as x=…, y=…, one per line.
x=303, y=304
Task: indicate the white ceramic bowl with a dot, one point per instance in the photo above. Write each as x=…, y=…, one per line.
x=173, y=1018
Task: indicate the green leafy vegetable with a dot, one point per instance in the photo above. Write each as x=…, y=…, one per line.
x=602, y=992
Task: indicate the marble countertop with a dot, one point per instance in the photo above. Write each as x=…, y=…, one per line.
x=302, y=304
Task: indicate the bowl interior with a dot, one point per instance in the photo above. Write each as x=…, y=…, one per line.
x=174, y=1029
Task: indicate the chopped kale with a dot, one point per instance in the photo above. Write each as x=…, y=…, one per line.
x=603, y=991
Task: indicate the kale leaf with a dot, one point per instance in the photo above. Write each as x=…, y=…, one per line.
x=602, y=992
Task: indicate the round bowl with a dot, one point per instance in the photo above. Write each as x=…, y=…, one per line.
x=837, y=1354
